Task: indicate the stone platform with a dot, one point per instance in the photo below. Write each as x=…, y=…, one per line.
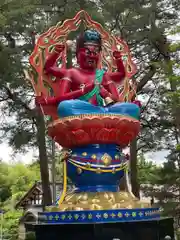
x=154, y=229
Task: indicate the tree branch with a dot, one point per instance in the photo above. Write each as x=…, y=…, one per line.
x=116, y=22
x=149, y=100
x=15, y=98
x=146, y=78
x=4, y=99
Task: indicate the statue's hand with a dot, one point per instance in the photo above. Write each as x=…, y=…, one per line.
x=117, y=54
x=88, y=88
x=138, y=103
x=59, y=48
x=40, y=100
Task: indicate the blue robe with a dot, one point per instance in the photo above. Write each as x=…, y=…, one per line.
x=79, y=107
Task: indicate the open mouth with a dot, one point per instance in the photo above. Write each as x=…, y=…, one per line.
x=91, y=62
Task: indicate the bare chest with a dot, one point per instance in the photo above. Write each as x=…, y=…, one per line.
x=80, y=78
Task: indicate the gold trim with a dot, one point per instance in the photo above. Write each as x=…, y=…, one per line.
x=103, y=201
x=79, y=171
x=89, y=168
x=108, y=101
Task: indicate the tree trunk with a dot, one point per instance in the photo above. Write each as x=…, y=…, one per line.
x=43, y=158
x=133, y=168
x=41, y=141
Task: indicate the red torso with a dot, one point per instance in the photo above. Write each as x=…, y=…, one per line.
x=70, y=85
x=80, y=77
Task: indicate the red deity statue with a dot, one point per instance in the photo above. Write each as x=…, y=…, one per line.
x=76, y=82
x=92, y=119
x=91, y=86
x=88, y=90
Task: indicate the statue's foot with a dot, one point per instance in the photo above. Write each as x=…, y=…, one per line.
x=126, y=109
x=77, y=107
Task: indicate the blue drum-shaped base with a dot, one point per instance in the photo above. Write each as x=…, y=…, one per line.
x=96, y=168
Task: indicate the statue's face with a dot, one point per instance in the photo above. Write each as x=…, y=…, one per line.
x=88, y=57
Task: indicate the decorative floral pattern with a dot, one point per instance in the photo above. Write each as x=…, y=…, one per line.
x=91, y=129
x=119, y=215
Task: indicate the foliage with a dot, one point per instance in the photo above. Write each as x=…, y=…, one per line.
x=169, y=126
x=16, y=180
x=30, y=236
x=148, y=172
x=5, y=191
x=10, y=224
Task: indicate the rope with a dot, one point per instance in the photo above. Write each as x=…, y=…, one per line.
x=64, y=183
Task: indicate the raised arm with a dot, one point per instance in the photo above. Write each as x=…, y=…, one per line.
x=50, y=68
x=120, y=74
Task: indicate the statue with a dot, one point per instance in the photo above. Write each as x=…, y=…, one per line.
x=94, y=115
x=94, y=88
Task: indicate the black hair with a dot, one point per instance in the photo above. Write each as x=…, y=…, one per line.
x=88, y=36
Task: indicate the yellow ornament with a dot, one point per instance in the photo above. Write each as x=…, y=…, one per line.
x=94, y=156
x=99, y=170
x=79, y=171
x=106, y=159
x=84, y=154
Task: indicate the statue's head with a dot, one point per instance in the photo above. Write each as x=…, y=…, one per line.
x=88, y=49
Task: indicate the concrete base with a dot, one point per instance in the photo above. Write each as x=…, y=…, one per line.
x=139, y=230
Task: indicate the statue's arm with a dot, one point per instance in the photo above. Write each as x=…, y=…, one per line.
x=110, y=86
x=65, y=92
x=50, y=68
x=120, y=74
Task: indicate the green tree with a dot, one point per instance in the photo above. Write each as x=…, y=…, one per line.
x=15, y=181
x=148, y=172
x=10, y=224
x=21, y=179
x=143, y=24
x=169, y=129
x=5, y=190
